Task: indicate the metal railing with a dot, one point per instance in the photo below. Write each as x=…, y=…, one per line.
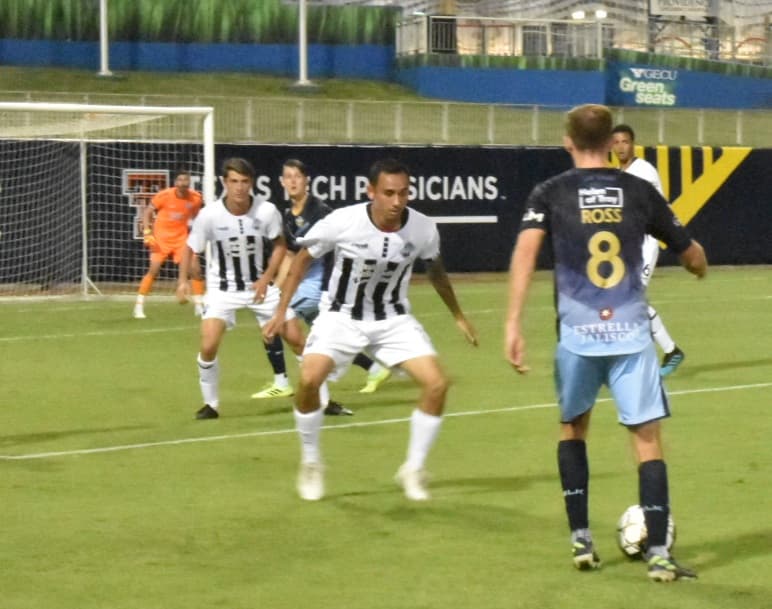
x=469, y=35
x=318, y=121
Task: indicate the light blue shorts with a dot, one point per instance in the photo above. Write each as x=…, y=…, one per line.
x=633, y=379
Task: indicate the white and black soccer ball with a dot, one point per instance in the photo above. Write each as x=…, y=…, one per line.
x=632, y=534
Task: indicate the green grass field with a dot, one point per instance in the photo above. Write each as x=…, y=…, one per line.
x=115, y=497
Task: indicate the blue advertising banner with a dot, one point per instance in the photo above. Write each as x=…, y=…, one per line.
x=641, y=85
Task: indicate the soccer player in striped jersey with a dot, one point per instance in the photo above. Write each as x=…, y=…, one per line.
x=174, y=208
x=303, y=211
x=239, y=275
x=366, y=307
x=623, y=145
x=596, y=218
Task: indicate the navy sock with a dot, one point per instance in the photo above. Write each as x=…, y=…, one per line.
x=363, y=361
x=653, y=497
x=275, y=352
x=575, y=478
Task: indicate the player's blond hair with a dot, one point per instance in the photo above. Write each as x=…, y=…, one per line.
x=589, y=126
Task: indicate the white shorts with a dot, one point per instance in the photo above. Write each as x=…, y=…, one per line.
x=650, y=253
x=223, y=305
x=390, y=341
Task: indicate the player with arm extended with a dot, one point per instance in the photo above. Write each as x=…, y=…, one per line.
x=174, y=208
x=623, y=146
x=238, y=277
x=596, y=218
x=375, y=245
x=302, y=213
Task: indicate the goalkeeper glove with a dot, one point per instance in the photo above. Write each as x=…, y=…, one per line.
x=147, y=238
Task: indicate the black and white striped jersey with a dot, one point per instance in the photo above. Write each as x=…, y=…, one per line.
x=372, y=268
x=239, y=254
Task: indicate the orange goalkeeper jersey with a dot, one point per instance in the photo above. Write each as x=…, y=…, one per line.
x=173, y=214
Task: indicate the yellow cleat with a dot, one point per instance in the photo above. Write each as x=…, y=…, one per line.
x=376, y=380
x=273, y=391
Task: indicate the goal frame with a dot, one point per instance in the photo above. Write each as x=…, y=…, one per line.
x=206, y=114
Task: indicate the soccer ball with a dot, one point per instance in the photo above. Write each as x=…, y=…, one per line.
x=632, y=533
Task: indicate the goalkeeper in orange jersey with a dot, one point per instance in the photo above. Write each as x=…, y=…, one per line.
x=174, y=208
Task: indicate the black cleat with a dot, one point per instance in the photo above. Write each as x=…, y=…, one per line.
x=336, y=409
x=666, y=569
x=671, y=361
x=207, y=412
x=584, y=554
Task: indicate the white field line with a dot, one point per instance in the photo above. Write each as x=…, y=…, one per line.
x=440, y=311
x=96, y=333
x=278, y=432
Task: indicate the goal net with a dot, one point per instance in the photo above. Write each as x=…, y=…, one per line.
x=74, y=182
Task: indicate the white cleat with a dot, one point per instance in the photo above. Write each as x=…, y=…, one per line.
x=311, y=481
x=198, y=310
x=139, y=312
x=413, y=482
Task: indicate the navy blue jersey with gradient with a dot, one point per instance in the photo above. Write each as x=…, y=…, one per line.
x=297, y=226
x=318, y=273
x=596, y=220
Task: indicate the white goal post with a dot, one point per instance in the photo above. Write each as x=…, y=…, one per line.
x=74, y=181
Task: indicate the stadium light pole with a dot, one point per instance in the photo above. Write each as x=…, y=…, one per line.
x=104, y=41
x=302, y=82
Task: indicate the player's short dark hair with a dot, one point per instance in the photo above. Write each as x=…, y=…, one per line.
x=388, y=166
x=181, y=171
x=589, y=126
x=239, y=165
x=622, y=128
x=296, y=164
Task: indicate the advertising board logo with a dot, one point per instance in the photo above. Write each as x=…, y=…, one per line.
x=649, y=86
x=681, y=8
x=140, y=186
x=654, y=73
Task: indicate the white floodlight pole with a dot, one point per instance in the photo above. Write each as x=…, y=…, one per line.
x=303, y=45
x=104, y=41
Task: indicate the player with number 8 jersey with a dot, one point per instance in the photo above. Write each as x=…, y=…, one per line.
x=596, y=218
x=596, y=242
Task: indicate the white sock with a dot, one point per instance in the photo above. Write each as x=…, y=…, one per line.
x=309, y=426
x=140, y=299
x=659, y=333
x=209, y=380
x=281, y=380
x=423, y=432
x=198, y=299
x=581, y=534
x=324, y=394
x=374, y=369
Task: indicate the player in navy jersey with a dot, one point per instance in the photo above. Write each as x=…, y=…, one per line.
x=623, y=145
x=238, y=275
x=299, y=216
x=366, y=307
x=596, y=218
